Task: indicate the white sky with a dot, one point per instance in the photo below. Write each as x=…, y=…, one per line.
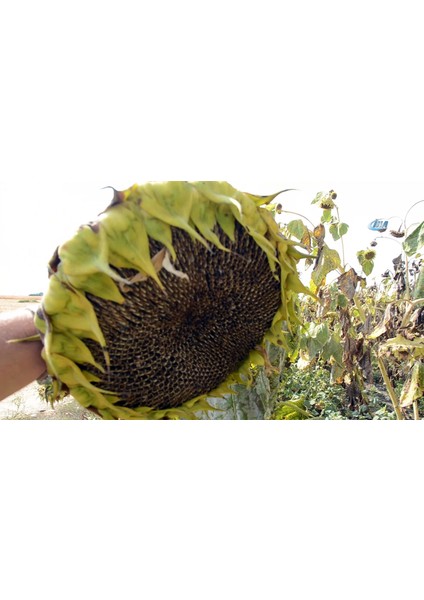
x=31, y=230
x=306, y=97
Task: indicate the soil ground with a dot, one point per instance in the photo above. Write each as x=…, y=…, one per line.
x=27, y=403
x=15, y=302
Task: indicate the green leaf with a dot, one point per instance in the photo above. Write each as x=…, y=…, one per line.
x=262, y=386
x=333, y=349
x=337, y=230
x=326, y=215
x=318, y=198
x=342, y=301
x=419, y=285
x=297, y=228
x=367, y=264
x=414, y=241
x=292, y=410
x=319, y=335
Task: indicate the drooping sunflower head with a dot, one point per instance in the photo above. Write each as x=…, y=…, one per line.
x=166, y=299
x=370, y=254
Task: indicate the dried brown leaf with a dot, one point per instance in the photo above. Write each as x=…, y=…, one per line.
x=347, y=283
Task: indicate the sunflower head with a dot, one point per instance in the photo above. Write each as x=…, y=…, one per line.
x=370, y=254
x=327, y=201
x=166, y=299
x=397, y=233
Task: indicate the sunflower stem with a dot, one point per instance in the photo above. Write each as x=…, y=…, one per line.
x=341, y=240
x=290, y=212
x=390, y=389
x=416, y=410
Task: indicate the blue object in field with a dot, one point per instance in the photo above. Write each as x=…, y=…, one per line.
x=378, y=225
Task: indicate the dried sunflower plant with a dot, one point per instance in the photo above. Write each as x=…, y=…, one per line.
x=167, y=299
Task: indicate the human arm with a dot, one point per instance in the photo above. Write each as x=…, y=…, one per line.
x=20, y=363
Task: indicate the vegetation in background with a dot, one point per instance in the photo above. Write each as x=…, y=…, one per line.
x=358, y=351
x=310, y=393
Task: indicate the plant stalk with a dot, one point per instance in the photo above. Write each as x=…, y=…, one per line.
x=341, y=241
x=390, y=389
x=416, y=410
x=290, y=212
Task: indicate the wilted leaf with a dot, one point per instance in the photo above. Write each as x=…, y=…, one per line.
x=365, y=363
x=352, y=349
x=414, y=386
x=347, y=283
x=379, y=330
x=326, y=299
x=398, y=262
x=319, y=233
x=382, y=326
x=414, y=241
x=306, y=240
x=414, y=348
x=329, y=260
